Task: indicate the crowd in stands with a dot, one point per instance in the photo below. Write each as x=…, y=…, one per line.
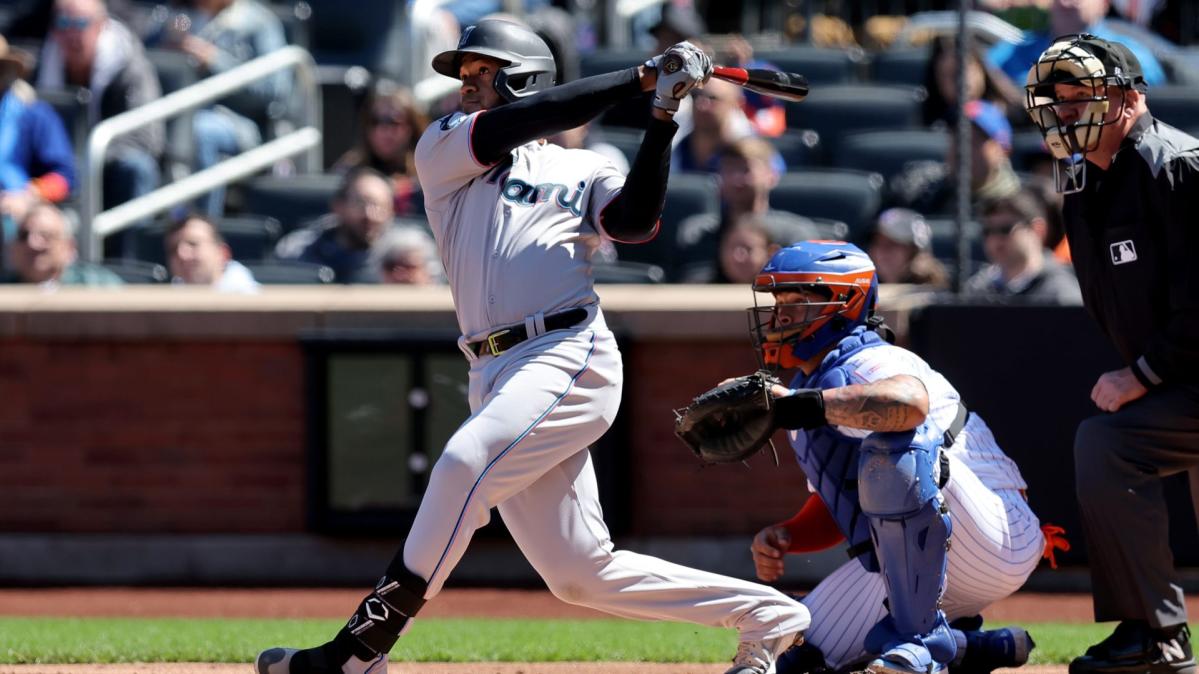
x=66, y=65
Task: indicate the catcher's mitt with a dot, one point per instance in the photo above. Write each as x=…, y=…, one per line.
x=731, y=422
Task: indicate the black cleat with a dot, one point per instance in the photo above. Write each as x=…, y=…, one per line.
x=1136, y=648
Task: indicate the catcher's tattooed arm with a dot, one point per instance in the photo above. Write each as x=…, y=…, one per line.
x=898, y=403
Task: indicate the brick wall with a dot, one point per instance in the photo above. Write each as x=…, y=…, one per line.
x=171, y=436
x=151, y=436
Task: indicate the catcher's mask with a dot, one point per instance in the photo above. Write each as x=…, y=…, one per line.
x=528, y=62
x=1072, y=119
x=839, y=288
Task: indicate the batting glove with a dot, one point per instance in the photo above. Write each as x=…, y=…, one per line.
x=681, y=68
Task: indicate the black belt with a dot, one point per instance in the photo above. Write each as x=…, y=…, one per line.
x=502, y=340
x=950, y=437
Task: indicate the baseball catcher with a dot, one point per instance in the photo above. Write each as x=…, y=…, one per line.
x=896, y=465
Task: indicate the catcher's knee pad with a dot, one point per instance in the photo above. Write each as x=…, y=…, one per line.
x=909, y=523
x=897, y=472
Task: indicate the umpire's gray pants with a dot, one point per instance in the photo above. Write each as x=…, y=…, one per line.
x=1119, y=460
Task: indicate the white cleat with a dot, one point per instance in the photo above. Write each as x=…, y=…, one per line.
x=759, y=657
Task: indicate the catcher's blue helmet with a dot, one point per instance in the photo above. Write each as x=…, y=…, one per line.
x=788, y=334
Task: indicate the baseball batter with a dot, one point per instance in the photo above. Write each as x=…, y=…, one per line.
x=899, y=468
x=516, y=222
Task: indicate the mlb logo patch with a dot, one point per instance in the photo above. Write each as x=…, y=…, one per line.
x=1123, y=252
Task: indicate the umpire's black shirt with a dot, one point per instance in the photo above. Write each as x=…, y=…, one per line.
x=1134, y=239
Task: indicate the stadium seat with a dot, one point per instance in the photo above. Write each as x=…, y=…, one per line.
x=821, y=65
x=1175, y=105
x=137, y=271
x=687, y=194
x=1028, y=149
x=290, y=272
x=834, y=111
x=852, y=197
x=71, y=106
x=176, y=71
x=371, y=36
x=945, y=239
x=798, y=147
x=250, y=238
x=905, y=65
x=623, y=271
x=608, y=60
x=291, y=200
x=624, y=139
x=887, y=152
x=343, y=93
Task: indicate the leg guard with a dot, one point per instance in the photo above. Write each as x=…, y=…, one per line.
x=375, y=626
x=910, y=527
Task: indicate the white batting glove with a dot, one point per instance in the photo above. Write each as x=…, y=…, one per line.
x=681, y=68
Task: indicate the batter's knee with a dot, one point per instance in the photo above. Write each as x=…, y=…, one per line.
x=462, y=461
x=896, y=473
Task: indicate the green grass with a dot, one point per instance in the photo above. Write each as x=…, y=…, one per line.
x=77, y=640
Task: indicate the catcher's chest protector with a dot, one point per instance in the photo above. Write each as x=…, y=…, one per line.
x=829, y=459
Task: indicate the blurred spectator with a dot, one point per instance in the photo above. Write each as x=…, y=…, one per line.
x=36, y=159
x=929, y=187
x=1068, y=17
x=678, y=22
x=342, y=240
x=198, y=255
x=900, y=247
x=89, y=49
x=766, y=114
x=584, y=138
x=44, y=252
x=746, y=179
x=1021, y=267
x=220, y=35
x=716, y=121
x=391, y=124
x=983, y=82
x=745, y=247
x=406, y=255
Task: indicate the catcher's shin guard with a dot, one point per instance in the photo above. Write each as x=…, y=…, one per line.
x=910, y=527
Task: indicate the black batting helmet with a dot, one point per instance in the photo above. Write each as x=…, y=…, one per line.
x=528, y=61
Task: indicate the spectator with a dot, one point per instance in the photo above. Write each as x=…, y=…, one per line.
x=198, y=255
x=36, y=159
x=91, y=50
x=342, y=240
x=408, y=256
x=1068, y=17
x=930, y=187
x=746, y=179
x=44, y=252
x=716, y=121
x=583, y=138
x=391, y=122
x=1021, y=267
x=745, y=247
x=766, y=114
x=899, y=248
x=983, y=82
x=219, y=35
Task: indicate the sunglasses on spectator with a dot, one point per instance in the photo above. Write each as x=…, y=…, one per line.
x=63, y=22
x=394, y=264
x=24, y=235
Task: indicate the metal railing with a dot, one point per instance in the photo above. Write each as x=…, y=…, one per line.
x=306, y=140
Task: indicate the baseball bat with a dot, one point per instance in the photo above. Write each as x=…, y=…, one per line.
x=787, y=86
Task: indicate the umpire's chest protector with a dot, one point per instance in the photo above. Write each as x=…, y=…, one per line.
x=829, y=459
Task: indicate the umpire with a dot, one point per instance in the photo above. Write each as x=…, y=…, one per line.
x=1131, y=213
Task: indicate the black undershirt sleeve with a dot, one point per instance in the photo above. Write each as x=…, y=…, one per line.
x=499, y=130
x=632, y=217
